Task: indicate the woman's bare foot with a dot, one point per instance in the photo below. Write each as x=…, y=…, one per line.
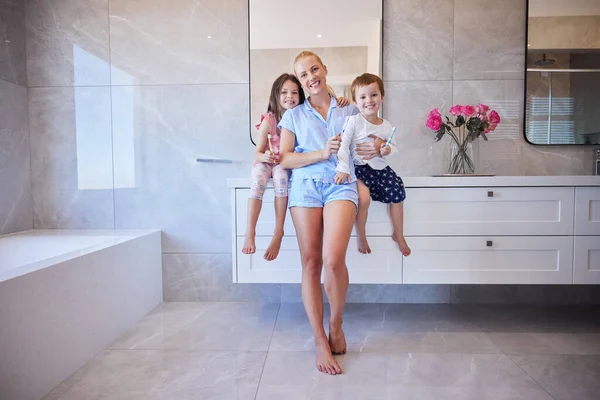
x=325, y=361
x=337, y=340
x=273, y=250
x=363, y=245
x=249, y=245
x=399, y=239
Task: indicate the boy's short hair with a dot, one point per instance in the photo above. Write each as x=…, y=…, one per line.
x=365, y=80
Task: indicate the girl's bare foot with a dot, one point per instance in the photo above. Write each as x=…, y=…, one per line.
x=249, y=245
x=325, y=361
x=337, y=340
x=399, y=239
x=273, y=250
x=363, y=245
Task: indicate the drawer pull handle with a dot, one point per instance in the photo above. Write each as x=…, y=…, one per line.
x=490, y=193
x=488, y=243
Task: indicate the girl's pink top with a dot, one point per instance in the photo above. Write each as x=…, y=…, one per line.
x=275, y=133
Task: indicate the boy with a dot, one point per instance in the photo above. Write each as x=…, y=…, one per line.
x=376, y=179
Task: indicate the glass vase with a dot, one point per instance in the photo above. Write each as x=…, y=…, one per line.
x=461, y=153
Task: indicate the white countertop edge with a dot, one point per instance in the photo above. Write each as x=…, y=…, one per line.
x=472, y=181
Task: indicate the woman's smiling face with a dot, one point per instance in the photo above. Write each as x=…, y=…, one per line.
x=312, y=74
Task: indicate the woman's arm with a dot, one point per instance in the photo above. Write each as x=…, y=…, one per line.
x=261, y=142
x=290, y=160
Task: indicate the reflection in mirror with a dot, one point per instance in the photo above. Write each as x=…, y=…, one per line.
x=346, y=34
x=563, y=72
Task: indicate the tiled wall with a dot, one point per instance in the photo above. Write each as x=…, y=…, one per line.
x=126, y=94
x=15, y=173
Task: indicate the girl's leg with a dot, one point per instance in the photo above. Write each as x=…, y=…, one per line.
x=364, y=200
x=260, y=176
x=308, y=223
x=338, y=219
x=280, y=184
x=397, y=216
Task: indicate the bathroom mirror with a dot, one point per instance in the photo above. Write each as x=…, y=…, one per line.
x=562, y=78
x=346, y=34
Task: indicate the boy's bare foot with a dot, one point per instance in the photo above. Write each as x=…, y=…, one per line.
x=337, y=340
x=249, y=245
x=273, y=250
x=363, y=245
x=325, y=361
x=401, y=244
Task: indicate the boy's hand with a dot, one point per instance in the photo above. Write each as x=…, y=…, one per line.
x=341, y=177
x=385, y=150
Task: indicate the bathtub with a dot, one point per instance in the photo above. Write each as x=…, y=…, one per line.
x=65, y=295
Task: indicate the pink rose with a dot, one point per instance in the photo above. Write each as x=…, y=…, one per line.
x=494, y=118
x=434, y=121
x=467, y=111
x=456, y=110
x=435, y=111
x=482, y=108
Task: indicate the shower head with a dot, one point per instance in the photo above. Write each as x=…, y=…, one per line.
x=545, y=62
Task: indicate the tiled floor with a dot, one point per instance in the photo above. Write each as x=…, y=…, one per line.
x=249, y=351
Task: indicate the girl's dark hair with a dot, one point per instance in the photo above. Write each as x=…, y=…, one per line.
x=274, y=106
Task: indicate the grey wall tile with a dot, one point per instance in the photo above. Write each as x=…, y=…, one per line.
x=158, y=133
x=208, y=277
x=67, y=43
x=15, y=174
x=489, y=39
x=71, y=152
x=12, y=42
x=167, y=42
x=525, y=294
x=418, y=42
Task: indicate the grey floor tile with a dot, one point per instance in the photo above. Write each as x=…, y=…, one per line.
x=204, y=326
x=164, y=375
x=546, y=343
x=565, y=377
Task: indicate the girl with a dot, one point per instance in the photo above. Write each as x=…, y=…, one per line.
x=285, y=95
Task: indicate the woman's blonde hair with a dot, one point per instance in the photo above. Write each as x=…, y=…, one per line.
x=306, y=53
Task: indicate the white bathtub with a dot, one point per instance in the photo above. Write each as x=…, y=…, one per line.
x=65, y=295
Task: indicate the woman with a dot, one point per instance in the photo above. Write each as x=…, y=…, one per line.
x=323, y=212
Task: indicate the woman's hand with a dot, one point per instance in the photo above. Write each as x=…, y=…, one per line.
x=332, y=147
x=370, y=150
x=341, y=178
x=385, y=150
x=342, y=101
x=268, y=157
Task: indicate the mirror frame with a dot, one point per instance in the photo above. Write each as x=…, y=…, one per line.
x=525, y=56
x=381, y=65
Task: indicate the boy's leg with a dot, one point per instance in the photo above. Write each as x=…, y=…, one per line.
x=397, y=216
x=364, y=200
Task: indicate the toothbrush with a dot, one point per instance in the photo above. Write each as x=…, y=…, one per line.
x=270, y=145
x=391, y=136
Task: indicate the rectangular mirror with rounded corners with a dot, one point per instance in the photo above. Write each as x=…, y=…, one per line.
x=562, y=78
x=346, y=34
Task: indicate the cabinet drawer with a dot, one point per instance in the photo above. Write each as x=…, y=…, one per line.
x=489, y=211
x=491, y=260
x=377, y=225
x=383, y=265
x=586, y=260
x=587, y=211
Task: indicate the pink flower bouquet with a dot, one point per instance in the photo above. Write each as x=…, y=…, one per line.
x=466, y=124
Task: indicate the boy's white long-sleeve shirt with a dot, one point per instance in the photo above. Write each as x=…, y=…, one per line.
x=357, y=130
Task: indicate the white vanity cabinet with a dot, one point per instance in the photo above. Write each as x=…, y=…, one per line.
x=462, y=230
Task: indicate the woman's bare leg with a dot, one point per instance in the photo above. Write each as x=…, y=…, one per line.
x=254, y=206
x=397, y=216
x=364, y=201
x=338, y=219
x=308, y=223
